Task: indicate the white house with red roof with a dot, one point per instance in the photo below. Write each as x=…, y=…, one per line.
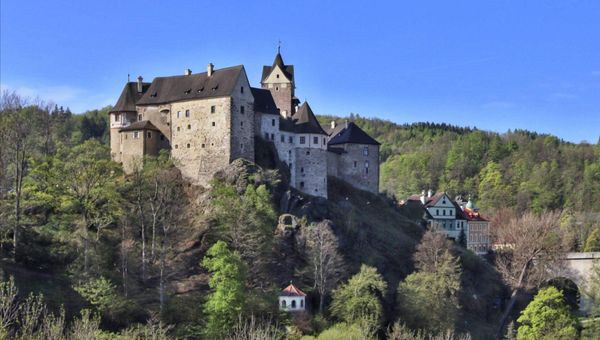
x=453, y=217
x=292, y=299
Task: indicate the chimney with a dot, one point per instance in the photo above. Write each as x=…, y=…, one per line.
x=210, y=69
x=188, y=71
x=423, y=196
x=333, y=124
x=139, y=84
x=429, y=193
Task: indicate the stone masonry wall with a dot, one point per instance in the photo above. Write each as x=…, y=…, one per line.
x=132, y=150
x=242, y=121
x=353, y=164
x=311, y=171
x=201, y=143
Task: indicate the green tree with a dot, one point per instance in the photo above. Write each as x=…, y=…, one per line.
x=359, y=300
x=428, y=299
x=547, y=317
x=340, y=331
x=84, y=183
x=245, y=221
x=592, y=291
x=226, y=302
x=101, y=293
x=593, y=241
x=493, y=193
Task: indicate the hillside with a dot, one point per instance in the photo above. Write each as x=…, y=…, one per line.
x=130, y=247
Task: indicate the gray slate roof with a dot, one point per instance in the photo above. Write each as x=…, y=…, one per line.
x=351, y=134
x=305, y=121
x=288, y=70
x=194, y=86
x=129, y=96
x=263, y=101
x=141, y=125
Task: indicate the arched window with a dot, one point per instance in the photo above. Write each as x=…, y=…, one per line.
x=293, y=303
x=283, y=303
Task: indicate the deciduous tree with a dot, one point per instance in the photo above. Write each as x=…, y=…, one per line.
x=547, y=317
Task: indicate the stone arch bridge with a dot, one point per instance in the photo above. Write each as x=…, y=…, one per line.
x=578, y=268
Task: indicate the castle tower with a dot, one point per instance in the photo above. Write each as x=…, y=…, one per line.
x=279, y=79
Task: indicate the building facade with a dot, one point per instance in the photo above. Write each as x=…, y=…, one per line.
x=207, y=120
x=453, y=218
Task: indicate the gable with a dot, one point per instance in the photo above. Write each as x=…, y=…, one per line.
x=277, y=75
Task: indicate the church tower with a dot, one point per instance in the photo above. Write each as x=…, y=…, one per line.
x=279, y=79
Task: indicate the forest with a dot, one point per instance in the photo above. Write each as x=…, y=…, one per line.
x=88, y=252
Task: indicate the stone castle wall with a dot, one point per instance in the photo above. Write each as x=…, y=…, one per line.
x=201, y=143
x=132, y=147
x=242, y=121
x=360, y=168
x=310, y=171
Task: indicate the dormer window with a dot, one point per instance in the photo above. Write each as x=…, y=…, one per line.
x=149, y=135
x=136, y=134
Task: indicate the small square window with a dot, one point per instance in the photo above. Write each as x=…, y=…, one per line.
x=149, y=134
x=282, y=138
x=178, y=128
x=178, y=114
x=301, y=184
x=272, y=122
x=162, y=137
x=116, y=118
x=266, y=135
x=242, y=109
x=302, y=140
x=188, y=145
x=324, y=140
x=290, y=139
x=213, y=124
x=176, y=146
x=277, y=76
x=242, y=89
x=187, y=113
x=241, y=123
x=136, y=134
x=140, y=117
x=307, y=153
x=355, y=164
x=213, y=109
x=203, y=145
x=272, y=137
x=189, y=126
x=302, y=170
x=276, y=88
x=366, y=151
x=316, y=140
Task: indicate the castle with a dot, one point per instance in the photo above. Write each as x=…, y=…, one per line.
x=209, y=119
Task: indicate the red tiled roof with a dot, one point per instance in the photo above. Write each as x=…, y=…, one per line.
x=292, y=290
x=473, y=215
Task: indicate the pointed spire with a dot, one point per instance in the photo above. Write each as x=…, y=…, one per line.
x=278, y=59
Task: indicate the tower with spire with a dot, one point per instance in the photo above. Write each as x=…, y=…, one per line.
x=279, y=80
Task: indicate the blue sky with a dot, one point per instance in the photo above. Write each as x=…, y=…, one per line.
x=496, y=65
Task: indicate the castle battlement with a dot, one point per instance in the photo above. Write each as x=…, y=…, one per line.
x=209, y=119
